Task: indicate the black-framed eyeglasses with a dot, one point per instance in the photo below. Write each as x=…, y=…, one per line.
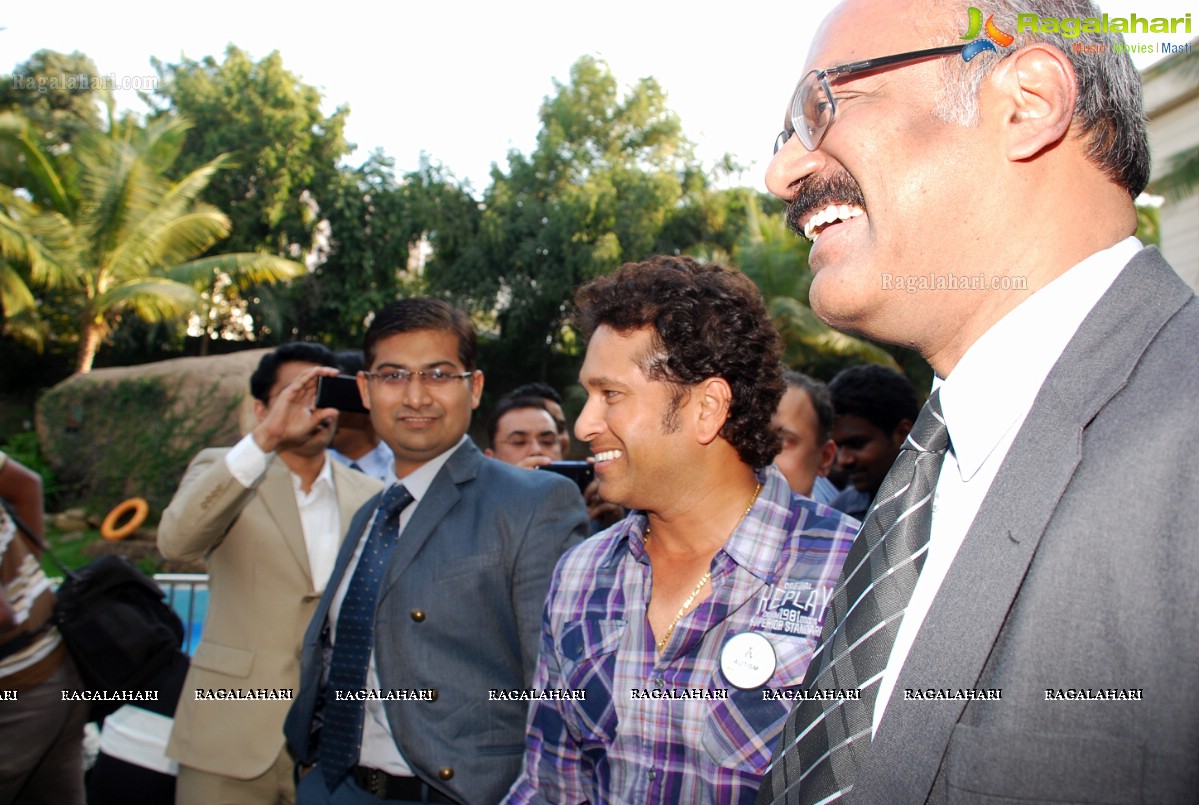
x=813, y=105
x=400, y=377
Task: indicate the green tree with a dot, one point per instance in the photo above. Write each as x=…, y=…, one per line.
x=382, y=235
x=60, y=94
x=599, y=189
x=283, y=152
x=100, y=224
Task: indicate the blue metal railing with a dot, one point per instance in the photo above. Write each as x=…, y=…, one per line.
x=187, y=594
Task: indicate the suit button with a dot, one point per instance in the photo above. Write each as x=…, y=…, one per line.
x=418, y=615
x=446, y=774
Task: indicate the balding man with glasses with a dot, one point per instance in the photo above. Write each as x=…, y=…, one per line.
x=1018, y=608
x=435, y=601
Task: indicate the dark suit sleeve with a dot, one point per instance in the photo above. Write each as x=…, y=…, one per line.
x=559, y=522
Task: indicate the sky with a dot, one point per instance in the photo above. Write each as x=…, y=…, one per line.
x=462, y=81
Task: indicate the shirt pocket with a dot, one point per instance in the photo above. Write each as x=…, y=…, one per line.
x=741, y=732
x=588, y=655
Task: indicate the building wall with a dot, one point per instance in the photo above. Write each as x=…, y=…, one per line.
x=1172, y=105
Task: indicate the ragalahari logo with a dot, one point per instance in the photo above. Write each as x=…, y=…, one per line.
x=992, y=31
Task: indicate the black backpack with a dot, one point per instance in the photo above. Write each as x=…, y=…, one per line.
x=115, y=621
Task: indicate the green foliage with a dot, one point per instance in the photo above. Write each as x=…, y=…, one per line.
x=376, y=225
x=24, y=448
x=602, y=187
x=58, y=93
x=1149, y=224
x=269, y=122
x=108, y=230
x=131, y=438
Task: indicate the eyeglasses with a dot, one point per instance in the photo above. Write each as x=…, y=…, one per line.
x=813, y=105
x=400, y=377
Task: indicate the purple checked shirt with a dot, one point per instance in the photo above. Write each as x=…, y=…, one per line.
x=668, y=729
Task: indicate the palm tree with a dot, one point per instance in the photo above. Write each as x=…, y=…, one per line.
x=101, y=221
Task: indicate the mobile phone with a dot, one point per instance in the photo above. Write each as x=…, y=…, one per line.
x=340, y=392
x=581, y=472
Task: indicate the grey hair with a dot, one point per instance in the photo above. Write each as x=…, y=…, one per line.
x=1109, y=110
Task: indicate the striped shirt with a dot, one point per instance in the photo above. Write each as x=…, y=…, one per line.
x=638, y=728
x=31, y=597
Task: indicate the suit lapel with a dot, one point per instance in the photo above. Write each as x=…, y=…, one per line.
x=433, y=507
x=280, y=501
x=955, y=640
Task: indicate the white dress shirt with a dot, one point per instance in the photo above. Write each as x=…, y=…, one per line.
x=320, y=516
x=379, y=748
x=985, y=400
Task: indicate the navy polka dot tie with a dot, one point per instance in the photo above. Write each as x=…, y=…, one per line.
x=341, y=733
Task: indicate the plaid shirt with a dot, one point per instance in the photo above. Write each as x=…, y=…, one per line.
x=622, y=743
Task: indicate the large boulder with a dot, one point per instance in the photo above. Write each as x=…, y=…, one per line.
x=131, y=430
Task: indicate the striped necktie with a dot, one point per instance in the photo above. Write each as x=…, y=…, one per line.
x=824, y=743
x=341, y=733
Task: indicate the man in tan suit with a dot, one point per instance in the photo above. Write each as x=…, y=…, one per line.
x=268, y=517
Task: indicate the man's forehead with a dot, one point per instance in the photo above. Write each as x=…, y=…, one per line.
x=528, y=419
x=865, y=29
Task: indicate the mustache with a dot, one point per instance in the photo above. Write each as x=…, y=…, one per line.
x=820, y=191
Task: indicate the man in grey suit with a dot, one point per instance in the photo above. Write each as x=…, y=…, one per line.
x=455, y=610
x=981, y=210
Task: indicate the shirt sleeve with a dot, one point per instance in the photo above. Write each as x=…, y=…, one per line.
x=247, y=462
x=552, y=773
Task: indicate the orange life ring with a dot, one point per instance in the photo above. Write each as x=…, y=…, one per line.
x=140, y=509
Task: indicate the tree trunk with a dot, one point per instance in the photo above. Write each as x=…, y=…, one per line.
x=89, y=344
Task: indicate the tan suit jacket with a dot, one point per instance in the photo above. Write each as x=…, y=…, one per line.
x=261, y=598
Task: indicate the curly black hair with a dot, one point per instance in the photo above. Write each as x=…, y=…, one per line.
x=708, y=321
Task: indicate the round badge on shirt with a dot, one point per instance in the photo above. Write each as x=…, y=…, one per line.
x=747, y=660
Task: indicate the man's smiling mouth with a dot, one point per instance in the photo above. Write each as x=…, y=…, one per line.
x=833, y=213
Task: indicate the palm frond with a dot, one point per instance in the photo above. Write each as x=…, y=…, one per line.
x=244, y=268
x=151, y=298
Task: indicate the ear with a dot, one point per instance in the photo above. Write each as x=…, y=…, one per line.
x=260, y=410
x=476, y=389
x=1038, y=86
x=489, y=453
x=364, y=389
x=715, y=397
x=900, y=434
x=828, y=453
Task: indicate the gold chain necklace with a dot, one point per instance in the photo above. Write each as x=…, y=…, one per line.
x=702, y=582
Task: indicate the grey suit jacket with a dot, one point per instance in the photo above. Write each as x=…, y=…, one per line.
x=1080, y=571
x=261, y=597
x=459, y=611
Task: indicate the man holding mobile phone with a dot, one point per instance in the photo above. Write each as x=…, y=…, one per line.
x=267, y=517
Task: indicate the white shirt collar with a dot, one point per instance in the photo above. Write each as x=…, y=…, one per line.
x=323, y=478
x=419, y=480
x=993, y=386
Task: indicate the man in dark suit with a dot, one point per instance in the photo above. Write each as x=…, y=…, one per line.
x=982, y=212
x=455, y=609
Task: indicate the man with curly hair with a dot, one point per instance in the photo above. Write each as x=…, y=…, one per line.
x=673, y=642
